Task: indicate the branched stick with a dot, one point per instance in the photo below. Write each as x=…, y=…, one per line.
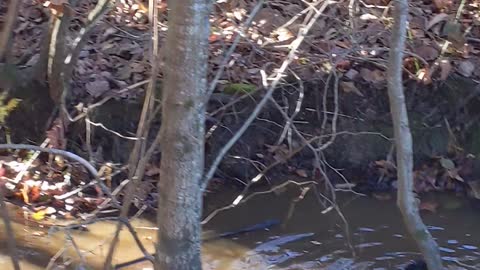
x=6, y=34
x=279, y=75
x=403, y=141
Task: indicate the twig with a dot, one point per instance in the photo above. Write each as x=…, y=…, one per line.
x=29, y=163
x=111, y=131
x=76, y=248
x=57, y=255
x=279, y=75
x=102, y=101
x=298, y=107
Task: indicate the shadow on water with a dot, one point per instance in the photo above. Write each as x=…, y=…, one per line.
x=376, y=231
x=306, y=240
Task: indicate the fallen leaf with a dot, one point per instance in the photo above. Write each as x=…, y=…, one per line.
x=349, y=87
x=34, y=193
x=466, y=68
x=301, y=173
x=98, y=87
x=368, y=17
x=454, y=33
x=437, y=19
x=427, y=52
x=454, y=175
x=372, y=76
x=447, y=163
x=40, y=215
x=351, y=74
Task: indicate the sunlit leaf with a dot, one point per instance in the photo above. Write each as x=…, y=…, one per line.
x=40, y=215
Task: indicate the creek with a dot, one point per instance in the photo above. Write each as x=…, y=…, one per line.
x=306, y=239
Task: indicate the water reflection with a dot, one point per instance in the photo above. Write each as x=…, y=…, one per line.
x=377, y=232
x=307, y=239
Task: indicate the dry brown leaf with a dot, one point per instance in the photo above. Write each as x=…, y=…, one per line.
x=349, y=87
x=427, y=52
x=372, y=76
x=301, y=173
x=351, y=74
x=436, y=19
x=98, y=87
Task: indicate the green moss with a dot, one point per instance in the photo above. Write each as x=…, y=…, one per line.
x=239, y=88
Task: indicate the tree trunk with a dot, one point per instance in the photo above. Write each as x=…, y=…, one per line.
x=183, y=117
x=403, y=142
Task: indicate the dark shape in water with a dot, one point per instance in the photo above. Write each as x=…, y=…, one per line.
x=417, y=265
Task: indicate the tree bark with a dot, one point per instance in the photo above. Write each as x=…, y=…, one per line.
x=403, y=142
x=183, y=117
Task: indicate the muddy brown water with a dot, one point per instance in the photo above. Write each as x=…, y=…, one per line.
x=309, y=239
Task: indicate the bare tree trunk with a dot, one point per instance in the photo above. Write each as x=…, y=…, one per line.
x=183, y=117
x=403, y=141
